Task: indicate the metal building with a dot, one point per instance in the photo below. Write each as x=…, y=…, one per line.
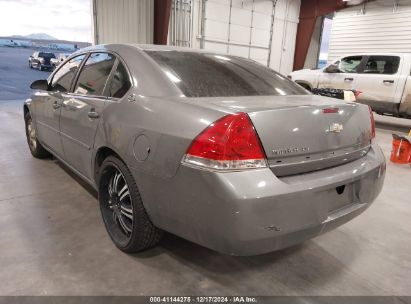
x=378, y=26
x=123, y=21
x=282, y=34
x=263, y=30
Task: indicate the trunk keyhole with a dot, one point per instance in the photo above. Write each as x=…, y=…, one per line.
x=340, y=189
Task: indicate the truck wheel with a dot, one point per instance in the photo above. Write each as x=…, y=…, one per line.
x=36, y=149
x=122, y=209
x=40, y=68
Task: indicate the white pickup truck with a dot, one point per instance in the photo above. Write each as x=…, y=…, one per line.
x=382, y=81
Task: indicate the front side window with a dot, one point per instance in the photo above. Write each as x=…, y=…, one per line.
x=382, y=65
x=120, y=82
x=94, y=74
x=212, y=75
x=350, y=64
x=64, y=76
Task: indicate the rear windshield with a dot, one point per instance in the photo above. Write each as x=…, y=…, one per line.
x=47, y=55
x=211, y=75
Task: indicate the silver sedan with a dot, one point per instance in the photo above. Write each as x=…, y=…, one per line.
x=214, y=148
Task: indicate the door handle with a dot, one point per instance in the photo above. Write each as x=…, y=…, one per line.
x=93, y=114
x=348, y=79
x=388, y=81
x=55, y=105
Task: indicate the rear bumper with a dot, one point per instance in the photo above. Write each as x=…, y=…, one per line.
x=254, y=212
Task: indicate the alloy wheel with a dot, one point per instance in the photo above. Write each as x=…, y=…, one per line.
x=31, y=135
x=118, y=209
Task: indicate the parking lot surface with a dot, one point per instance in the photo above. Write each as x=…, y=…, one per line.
x=15, y=74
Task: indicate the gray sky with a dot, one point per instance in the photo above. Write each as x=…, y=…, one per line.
x=62, y=19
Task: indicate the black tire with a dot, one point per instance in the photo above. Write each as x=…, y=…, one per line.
x=40, y=68
x=124, y=216
x=30, y=66
x=36, y=149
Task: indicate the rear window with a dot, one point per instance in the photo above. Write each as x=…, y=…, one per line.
x=211, y=75
x=47, y=55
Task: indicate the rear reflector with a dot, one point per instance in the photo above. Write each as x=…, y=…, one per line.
x=372, y=123
x=230, y=143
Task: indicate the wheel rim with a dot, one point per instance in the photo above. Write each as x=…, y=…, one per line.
x=31, y=135
x=117, y=207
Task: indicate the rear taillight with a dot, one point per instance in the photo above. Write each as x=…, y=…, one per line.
x=230, y=143
x=372, y=123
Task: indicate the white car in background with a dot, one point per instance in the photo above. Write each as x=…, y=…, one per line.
x=381, y=81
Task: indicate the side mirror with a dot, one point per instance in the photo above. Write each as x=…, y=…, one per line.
x=332, y=68
x=40, y=85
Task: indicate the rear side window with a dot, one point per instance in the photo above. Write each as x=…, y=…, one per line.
x=350, y=64
x=382, y=65
x=94, y=74
x=64, y=76
x=120, y=83
x=211, y=75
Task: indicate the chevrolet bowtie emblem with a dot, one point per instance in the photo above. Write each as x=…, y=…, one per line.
x=336, y=128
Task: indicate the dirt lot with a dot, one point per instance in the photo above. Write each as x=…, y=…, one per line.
x=15, y=74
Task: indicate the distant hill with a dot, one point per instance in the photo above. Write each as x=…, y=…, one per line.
x=40, y=36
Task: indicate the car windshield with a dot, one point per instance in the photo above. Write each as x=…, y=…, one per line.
x=47, y=55
x=212, y=75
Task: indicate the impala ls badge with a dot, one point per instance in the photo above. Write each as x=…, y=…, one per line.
x=336, y=128
x=290, y=150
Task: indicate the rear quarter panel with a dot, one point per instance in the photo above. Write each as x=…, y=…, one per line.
x=168, y=126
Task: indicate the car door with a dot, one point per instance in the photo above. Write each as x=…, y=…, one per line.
x=346, y=77
x=47, y=107
x=379, y=82
x=81, y=112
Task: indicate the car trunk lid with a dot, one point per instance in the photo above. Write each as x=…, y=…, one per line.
x=309, y=138
x=301, y=134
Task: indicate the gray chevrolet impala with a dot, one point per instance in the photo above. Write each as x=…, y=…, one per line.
x=217, y=149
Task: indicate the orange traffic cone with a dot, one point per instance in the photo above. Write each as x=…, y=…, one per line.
x=401, y=150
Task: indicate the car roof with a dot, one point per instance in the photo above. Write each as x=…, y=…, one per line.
x=145, y=47
x=156, y=47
